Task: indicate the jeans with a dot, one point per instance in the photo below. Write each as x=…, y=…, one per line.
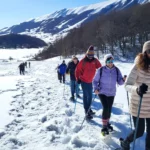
x=87, y=95
x=74, y=88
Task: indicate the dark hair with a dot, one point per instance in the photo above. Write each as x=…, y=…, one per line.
x=143, y=61
x=109, y=58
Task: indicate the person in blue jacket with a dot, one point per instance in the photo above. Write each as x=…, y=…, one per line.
x=62, y=71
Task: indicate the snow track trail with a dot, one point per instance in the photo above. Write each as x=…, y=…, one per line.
x=43, y=118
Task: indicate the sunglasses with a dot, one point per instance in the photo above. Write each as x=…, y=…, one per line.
x=110, y=61
x=148, y=51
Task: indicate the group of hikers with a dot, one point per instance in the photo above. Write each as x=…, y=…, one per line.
x=22, y=67
x=103, y=83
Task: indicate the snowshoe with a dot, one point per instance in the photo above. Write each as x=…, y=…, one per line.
x=89, y=116
x=125, y=144
x=110, y=128
x=78, y=96
x=91, y=112
x=104, y=131
x=72, y=99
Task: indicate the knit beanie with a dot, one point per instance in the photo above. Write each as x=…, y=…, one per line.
x=74, y=57
x=90, y=51
x=146, y=46
x=107, y=56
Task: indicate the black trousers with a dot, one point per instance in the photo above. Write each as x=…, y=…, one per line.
x=107, y=102
x=22, y=71
x=140, y=131
x=62, y=77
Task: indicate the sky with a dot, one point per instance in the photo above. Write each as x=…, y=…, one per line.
x=15, y=11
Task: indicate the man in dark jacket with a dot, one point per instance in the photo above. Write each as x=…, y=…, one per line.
x=73, y=83
x=62, y=71
x=22, y=68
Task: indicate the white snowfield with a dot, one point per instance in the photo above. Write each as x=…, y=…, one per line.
x=39, y=115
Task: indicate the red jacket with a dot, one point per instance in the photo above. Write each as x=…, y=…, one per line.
x=85, y=69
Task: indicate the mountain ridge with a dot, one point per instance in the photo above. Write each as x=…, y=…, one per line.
x=49, y=27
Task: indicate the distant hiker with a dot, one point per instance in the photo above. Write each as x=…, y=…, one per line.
x=84, y=73
x=29, y=64
x=73, y=83
x=58, y=74
x=140, y=73
x=62, y=70
x=22, y=68
x=104, y=85
x=25, y=64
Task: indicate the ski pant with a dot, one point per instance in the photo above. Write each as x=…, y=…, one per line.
x=107, y=102
x=21, y=71
x=87, y=95
x=140, y=131
x=74, y=88
x=62, y=77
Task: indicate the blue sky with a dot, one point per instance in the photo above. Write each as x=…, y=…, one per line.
x=16, y=11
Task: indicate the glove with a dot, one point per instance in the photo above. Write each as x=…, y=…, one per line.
x=142, y=89
x=79, y=81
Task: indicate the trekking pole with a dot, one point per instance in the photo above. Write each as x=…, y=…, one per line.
x=128, y=107
x=77, y=92
x=64, y=92
x=75, y=105
x=87, y=111
x=137, y=121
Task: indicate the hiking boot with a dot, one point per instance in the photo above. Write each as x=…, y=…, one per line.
x=91, y=112
x=104, y=131
x=109, y=127
x=72, y=98
x=89, y=116
x=78, y=96
x=125, y=144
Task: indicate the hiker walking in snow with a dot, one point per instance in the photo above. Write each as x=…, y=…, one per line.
x=62, y=70
x=29, y=64
x=140, y=73
x=84, y=73
x=73, y=83
x=58, y=74
x=22, y=68
x=104, y=85
x=25, y=64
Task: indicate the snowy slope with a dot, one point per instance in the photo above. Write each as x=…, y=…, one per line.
x=44, y=118
x=50, y=26
x=18, y=54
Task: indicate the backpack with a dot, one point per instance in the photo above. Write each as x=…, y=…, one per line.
x=117, y=70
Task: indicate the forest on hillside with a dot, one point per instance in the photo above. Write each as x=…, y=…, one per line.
x=20, y=41
x=121, y=33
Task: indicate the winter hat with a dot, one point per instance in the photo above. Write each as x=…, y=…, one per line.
x=63, y=61
x=146, y=46
x=107, y=56
x=90, y=51
x=74, y=57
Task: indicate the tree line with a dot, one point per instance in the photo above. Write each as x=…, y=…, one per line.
x=121, y=33
x=20, y=41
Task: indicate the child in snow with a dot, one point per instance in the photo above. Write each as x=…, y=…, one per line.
x=104, y=84
x=140, y=73
x=62, y=71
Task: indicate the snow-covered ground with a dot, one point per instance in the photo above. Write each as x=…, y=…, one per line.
x=18, y=53
x=41, y=117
